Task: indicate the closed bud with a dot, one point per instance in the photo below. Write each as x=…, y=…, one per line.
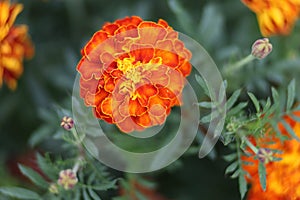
x=67, y=123
x=261, y=48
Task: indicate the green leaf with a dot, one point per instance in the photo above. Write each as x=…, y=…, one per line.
x=275, y=96
x=46, y=166
x=203, y=84
x=91, y=147
x=85, y=195
x=103, y=186
x=290, y=130
x=20, y=193
x=231, y=101
x=35, y=177
x=232, y=167
x=230, y=157
x=206, y=104
x=255, y=101
x=39, y=135
x=93, y=194
x=237, y=108
x=262, y=175
x=242, y=185
x=291, y=93
x=236, y=173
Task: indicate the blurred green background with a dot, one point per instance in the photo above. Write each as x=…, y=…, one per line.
x=60, y=28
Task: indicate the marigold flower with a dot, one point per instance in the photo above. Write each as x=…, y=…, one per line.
x=275, y=17
x=283, y=177
x=133, y=72
x=67, y=179
x=15, y=44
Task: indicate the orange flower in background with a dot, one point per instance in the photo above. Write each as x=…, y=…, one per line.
x=14, y=44
x=283, y=177
x=275, y=17
x=133, y=72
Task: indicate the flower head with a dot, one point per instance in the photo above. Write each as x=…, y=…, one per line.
x=133, y=72
x=67, y=179
x=67, y=123
x=275, y=17
x=265, y=155
x=261, y=48
x=283, y=177
x=14, y=44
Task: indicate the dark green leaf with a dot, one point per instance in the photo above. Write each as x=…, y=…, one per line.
x=35, y=177
x=20, y=193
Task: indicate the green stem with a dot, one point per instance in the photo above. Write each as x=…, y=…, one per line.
x=232, y=68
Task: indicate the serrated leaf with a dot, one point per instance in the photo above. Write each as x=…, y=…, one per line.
x=262, y=176
x=230, y=157
x=291, y=93
x=242, y=185
x=35, y=177
x=254, y=101
x=232, y=167
x=20, y=193
x=231, y=101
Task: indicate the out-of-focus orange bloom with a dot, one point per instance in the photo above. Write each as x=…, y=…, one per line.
x=275, y=17
x=133, y=72
x=136, y=189
x=15, y=44
x=283, y=177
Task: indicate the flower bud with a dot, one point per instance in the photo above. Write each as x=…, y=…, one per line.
x=53, y=188
x=261, y=48
x=265, y=155
x=67, y=123
x=67, y=179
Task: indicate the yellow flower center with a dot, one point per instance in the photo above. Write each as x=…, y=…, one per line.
x=132, y=75
x=133, y=71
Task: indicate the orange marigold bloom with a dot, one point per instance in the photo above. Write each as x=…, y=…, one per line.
x=275, y=17
x=133, y=72
x=283, y=177
x=14, y=44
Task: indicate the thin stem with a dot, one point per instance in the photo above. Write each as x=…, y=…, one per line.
x=232, y=68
